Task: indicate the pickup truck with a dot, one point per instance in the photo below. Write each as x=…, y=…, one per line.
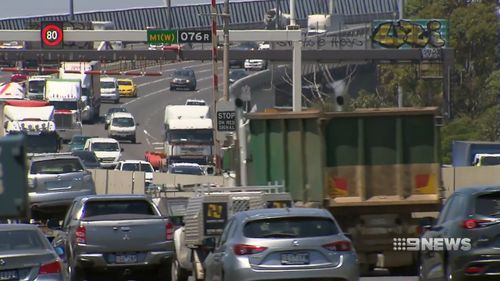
x=123, y=236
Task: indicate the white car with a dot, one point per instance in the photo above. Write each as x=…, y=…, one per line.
x=137, y=166
x=122, y=125
x=257, y=64
x=109, y=89
x=107, y=151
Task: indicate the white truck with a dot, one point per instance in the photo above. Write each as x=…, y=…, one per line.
x=65, y=96
x=36, y=86
x=318, y=24
x=34, y=119
x=90, y=84
x=189, y=136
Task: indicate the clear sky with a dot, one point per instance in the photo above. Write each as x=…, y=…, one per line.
x=28, y=8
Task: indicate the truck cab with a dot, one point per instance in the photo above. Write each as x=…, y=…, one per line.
x=486, y=159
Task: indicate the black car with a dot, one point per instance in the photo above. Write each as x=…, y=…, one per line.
x=236, y=74
x=183, y=78
x=470, y=219
x=88, y=158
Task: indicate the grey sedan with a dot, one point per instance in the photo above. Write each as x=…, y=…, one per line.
x=271, y=244
x=25, y=254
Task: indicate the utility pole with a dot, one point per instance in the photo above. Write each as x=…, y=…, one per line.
x=71, y=10
x=226, y=50
x=400, y=88
x=168, y=4
x=296, y=65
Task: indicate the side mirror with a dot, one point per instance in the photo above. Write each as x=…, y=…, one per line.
x=209, y=243
x=60, y=251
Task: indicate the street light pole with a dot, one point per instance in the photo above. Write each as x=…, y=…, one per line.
x=226, y=50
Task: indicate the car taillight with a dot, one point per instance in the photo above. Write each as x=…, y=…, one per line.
x=473, y=269
x=169, y=231
x=339, y=246
x=81, y=235
x=472, y=223
x=50, y=268
x=243, y=249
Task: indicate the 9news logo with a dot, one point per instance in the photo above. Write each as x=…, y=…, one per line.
x=431, y=244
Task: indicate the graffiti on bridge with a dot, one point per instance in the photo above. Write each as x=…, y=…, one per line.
x=409, y=34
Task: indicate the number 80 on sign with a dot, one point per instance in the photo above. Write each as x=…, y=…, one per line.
x=51, y=35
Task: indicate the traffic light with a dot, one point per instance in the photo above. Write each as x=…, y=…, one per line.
x=13, y=178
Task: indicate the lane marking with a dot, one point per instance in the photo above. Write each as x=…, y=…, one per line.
x=148, y=134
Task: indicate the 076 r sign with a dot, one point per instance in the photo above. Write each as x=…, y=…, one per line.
x=194, y=36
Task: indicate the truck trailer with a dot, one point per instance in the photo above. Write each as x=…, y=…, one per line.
x=377, y=170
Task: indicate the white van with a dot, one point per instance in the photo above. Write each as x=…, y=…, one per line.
x=109, y=89
x=122, y=126
x=107, y=151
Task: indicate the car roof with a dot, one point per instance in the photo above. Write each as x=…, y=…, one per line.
x=257, y=214
x=52, y=156
x=111, y=196
x=186, y=164
x=18, y=226
x=125, y=79
x=478, y=189
x=122, y=114
x=109, y=140
x=135, y=162
x=108, y=79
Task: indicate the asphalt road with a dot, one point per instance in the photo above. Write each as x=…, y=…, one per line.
x=148, y=109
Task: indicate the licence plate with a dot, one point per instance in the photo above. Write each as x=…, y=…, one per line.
x=126, y=259
x=8, y=275
x=295, y=259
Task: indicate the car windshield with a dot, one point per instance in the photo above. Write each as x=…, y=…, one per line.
x=137, y=167
x=36, y=86
x=12, y=240
x=235, y=75
x=124, y=83
x=199, y=136
x=183, y=73
x=294, y=227
x=105, y=146
x=108, y=85
x=490, y=161
x=99, y=208
x=56, y=166
x=116, y=109
x=64, y=105
x=186, y=170
x=488, y=205
x=123, y=122
x=79, y=140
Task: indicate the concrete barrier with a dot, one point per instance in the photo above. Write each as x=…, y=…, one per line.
x=127, y=182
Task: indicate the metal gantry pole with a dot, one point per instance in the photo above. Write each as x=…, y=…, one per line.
x=71, y=10
x=168, y=4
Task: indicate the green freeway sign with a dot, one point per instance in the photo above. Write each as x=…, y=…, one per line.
x=160, y=36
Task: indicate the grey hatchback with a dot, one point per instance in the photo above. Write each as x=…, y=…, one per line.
x=291, y=244
x=469, y=213
x=56, y=179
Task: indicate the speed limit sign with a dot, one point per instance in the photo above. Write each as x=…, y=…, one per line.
x=51, y=34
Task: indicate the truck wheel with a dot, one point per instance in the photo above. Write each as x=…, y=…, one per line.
x=178, y=273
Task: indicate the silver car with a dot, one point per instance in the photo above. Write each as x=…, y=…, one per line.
x=293, y=243
x=56, y=179
x=25, y=254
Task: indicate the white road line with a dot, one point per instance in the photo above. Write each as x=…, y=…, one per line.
x=149, y=135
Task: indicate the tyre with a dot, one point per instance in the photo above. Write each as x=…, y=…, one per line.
x=117, y=101
x=164, y=272
x=76, y=274
x=133, y=140
x=178, y=273
x=172, y=88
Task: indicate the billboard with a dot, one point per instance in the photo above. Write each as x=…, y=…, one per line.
x=405, y=34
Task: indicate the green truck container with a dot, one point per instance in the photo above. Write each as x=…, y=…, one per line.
x=376, y=170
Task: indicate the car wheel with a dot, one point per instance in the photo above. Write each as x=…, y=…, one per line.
x=164, y=272
x=133, y=140
x=178, y=273
x=76, y=274
x=117, y=101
